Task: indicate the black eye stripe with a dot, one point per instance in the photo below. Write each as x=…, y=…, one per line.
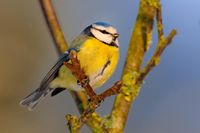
x=104, y=32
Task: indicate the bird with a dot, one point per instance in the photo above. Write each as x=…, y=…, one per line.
x=97, y=49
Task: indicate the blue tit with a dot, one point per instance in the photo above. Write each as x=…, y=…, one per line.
x=97, y=50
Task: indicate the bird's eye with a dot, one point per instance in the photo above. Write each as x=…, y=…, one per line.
x=104, y=32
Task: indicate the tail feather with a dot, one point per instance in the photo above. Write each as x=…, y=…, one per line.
x=32, y=100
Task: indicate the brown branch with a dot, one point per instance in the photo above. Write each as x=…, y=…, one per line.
x=95, y=99
x=115, y=89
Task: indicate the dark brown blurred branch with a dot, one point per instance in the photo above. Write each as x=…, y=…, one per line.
x=61, y=45
x=54, y=26
x=59, y=40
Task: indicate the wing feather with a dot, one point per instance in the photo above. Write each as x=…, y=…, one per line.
x=53, y=72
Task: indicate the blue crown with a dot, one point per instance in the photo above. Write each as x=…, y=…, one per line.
x=102, y=24
x=87, y=29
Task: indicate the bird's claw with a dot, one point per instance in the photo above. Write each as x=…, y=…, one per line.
x=85, y=81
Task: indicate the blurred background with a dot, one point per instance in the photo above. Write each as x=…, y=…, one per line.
x=168, y=101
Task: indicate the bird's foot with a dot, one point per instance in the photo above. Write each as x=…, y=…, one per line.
x=85, y=81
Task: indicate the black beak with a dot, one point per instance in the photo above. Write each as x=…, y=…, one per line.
x=116, y=35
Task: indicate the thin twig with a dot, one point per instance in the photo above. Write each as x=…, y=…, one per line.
x=115, y=89
x=159, y=22
x=162, y=44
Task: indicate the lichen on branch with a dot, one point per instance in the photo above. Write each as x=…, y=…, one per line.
x=133, y=75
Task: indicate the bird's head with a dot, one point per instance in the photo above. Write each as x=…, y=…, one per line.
x=104, y=32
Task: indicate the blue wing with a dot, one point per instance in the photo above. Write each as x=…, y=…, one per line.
x=53, y=72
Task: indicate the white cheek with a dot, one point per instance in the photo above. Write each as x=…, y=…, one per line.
x=102, y=37
x=111, y=30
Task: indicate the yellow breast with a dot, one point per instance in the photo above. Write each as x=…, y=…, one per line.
x=98, y=60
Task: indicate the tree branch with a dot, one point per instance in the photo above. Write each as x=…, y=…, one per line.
x=54, y=26
x=159, y=22
x=132, y=76
x=139, y=42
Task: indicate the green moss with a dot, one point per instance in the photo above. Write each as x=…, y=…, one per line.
x=130, y=89
x=149, y=41
x=153, y=3
x=157, y=61
x=108, y=123
x=73, y=123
